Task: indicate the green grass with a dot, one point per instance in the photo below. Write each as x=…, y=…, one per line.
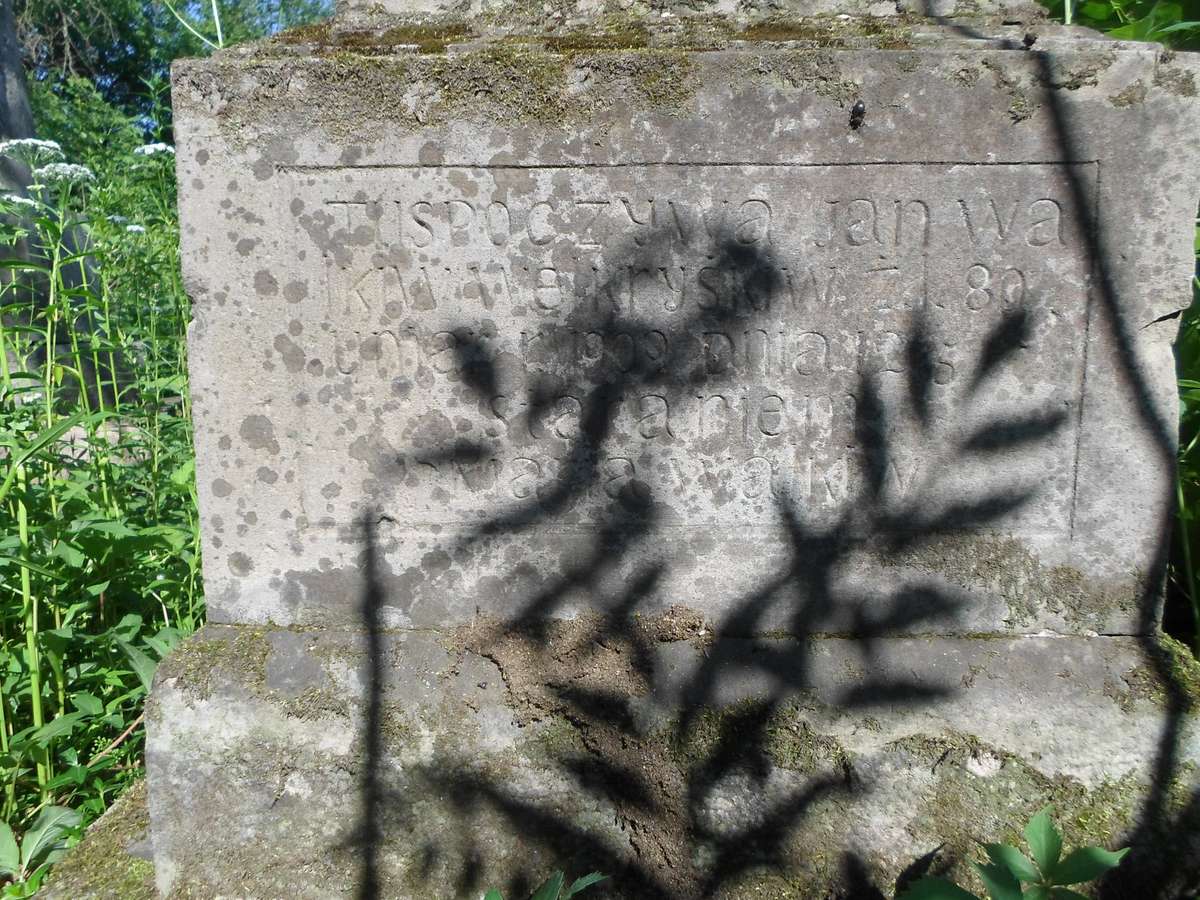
x=99, y=547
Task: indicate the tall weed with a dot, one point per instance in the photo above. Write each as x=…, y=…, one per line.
x=99, y=547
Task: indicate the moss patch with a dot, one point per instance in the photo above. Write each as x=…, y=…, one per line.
x=1172, y=671
x=99, y=867
x=1178, y=81
x=1028, y=588
x=196, y=661
x=1134, y=95
x=983, y=793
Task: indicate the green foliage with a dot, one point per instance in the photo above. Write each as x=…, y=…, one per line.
x=44, y=842
x=552, y=887
x=1171, y=23
x=1047, y=875
x=1187, y=355
x=123, y=45
x=99, y=547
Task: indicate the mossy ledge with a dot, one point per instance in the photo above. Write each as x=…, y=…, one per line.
x=615, y=30
x=100, y=866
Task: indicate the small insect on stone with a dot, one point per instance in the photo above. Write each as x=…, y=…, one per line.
x=857, y=113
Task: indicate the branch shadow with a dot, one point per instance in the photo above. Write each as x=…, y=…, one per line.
x=665, y=782
x=700, y=799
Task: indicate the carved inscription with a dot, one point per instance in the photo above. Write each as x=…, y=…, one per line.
x=703, y=335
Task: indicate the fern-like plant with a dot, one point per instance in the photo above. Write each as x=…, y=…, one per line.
x=1011, y=875
x=552, y=888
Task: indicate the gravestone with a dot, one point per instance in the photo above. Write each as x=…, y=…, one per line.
x=728, y=448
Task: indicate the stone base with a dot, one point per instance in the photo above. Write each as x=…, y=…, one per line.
x=431, y=765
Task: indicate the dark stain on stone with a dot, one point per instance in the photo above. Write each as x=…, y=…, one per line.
x=258, y=432
x=295, y=291
x=222, y=488
x=435, y=561
x=265, y=283
x=293, y=356
x=269, y=476
x=240, y=564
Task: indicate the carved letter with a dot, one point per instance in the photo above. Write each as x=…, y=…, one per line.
x=499, y=223
x=755, y=224
x=540, y=223
x=1047, y=228
x=770, y=415
x=654, y=417
x=414, y=211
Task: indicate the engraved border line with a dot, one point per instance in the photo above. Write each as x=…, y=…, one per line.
x=368, y=167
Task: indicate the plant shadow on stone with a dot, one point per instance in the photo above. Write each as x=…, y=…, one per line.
x=1164, y=860
x=709, y=781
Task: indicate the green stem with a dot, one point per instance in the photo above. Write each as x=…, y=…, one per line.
x=30, y=613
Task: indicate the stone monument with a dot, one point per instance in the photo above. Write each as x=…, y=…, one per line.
x=727, y=448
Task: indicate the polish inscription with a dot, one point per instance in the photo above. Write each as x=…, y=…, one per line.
x=703, y=335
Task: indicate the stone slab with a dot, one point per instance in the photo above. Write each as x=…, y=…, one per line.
x=678, y=305
x=485, y=742
x=621, y=449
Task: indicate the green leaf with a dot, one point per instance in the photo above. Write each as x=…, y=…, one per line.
x=10, y=856
x=1000, y=883
x=551, y=888
x=1180, y=26
x=143, y=665
x=1099, y=11
x=49, y=436
x=47, y=834
x=932, y=887
x=186, y=474
x=24, y=563
x=130, y=624
x=164, y=641
x=1013, y=860
x=88, y=704
x=1037, y=892
x=493, y=894
x=1045, y=843
x=70, y=554
x=581, y=884
x=1085, y=864
x=62, y=725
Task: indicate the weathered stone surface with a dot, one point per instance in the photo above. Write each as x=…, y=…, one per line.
x=618, y=447
x=483, y=746
x=726, y=273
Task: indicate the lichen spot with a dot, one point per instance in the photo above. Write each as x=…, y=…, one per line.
x=295, y=291
x=259, y=434
x=240, y=564
x=265, y=283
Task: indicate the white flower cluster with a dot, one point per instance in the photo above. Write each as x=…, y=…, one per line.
x=63, y=174
x=152, y=149
x=135, y=229
x=31, y=150
x=18, y=200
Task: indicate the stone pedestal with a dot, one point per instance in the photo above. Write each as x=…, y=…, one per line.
x=730, y=450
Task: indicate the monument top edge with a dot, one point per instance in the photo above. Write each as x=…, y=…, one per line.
x=562, y=9
x=383, y=30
